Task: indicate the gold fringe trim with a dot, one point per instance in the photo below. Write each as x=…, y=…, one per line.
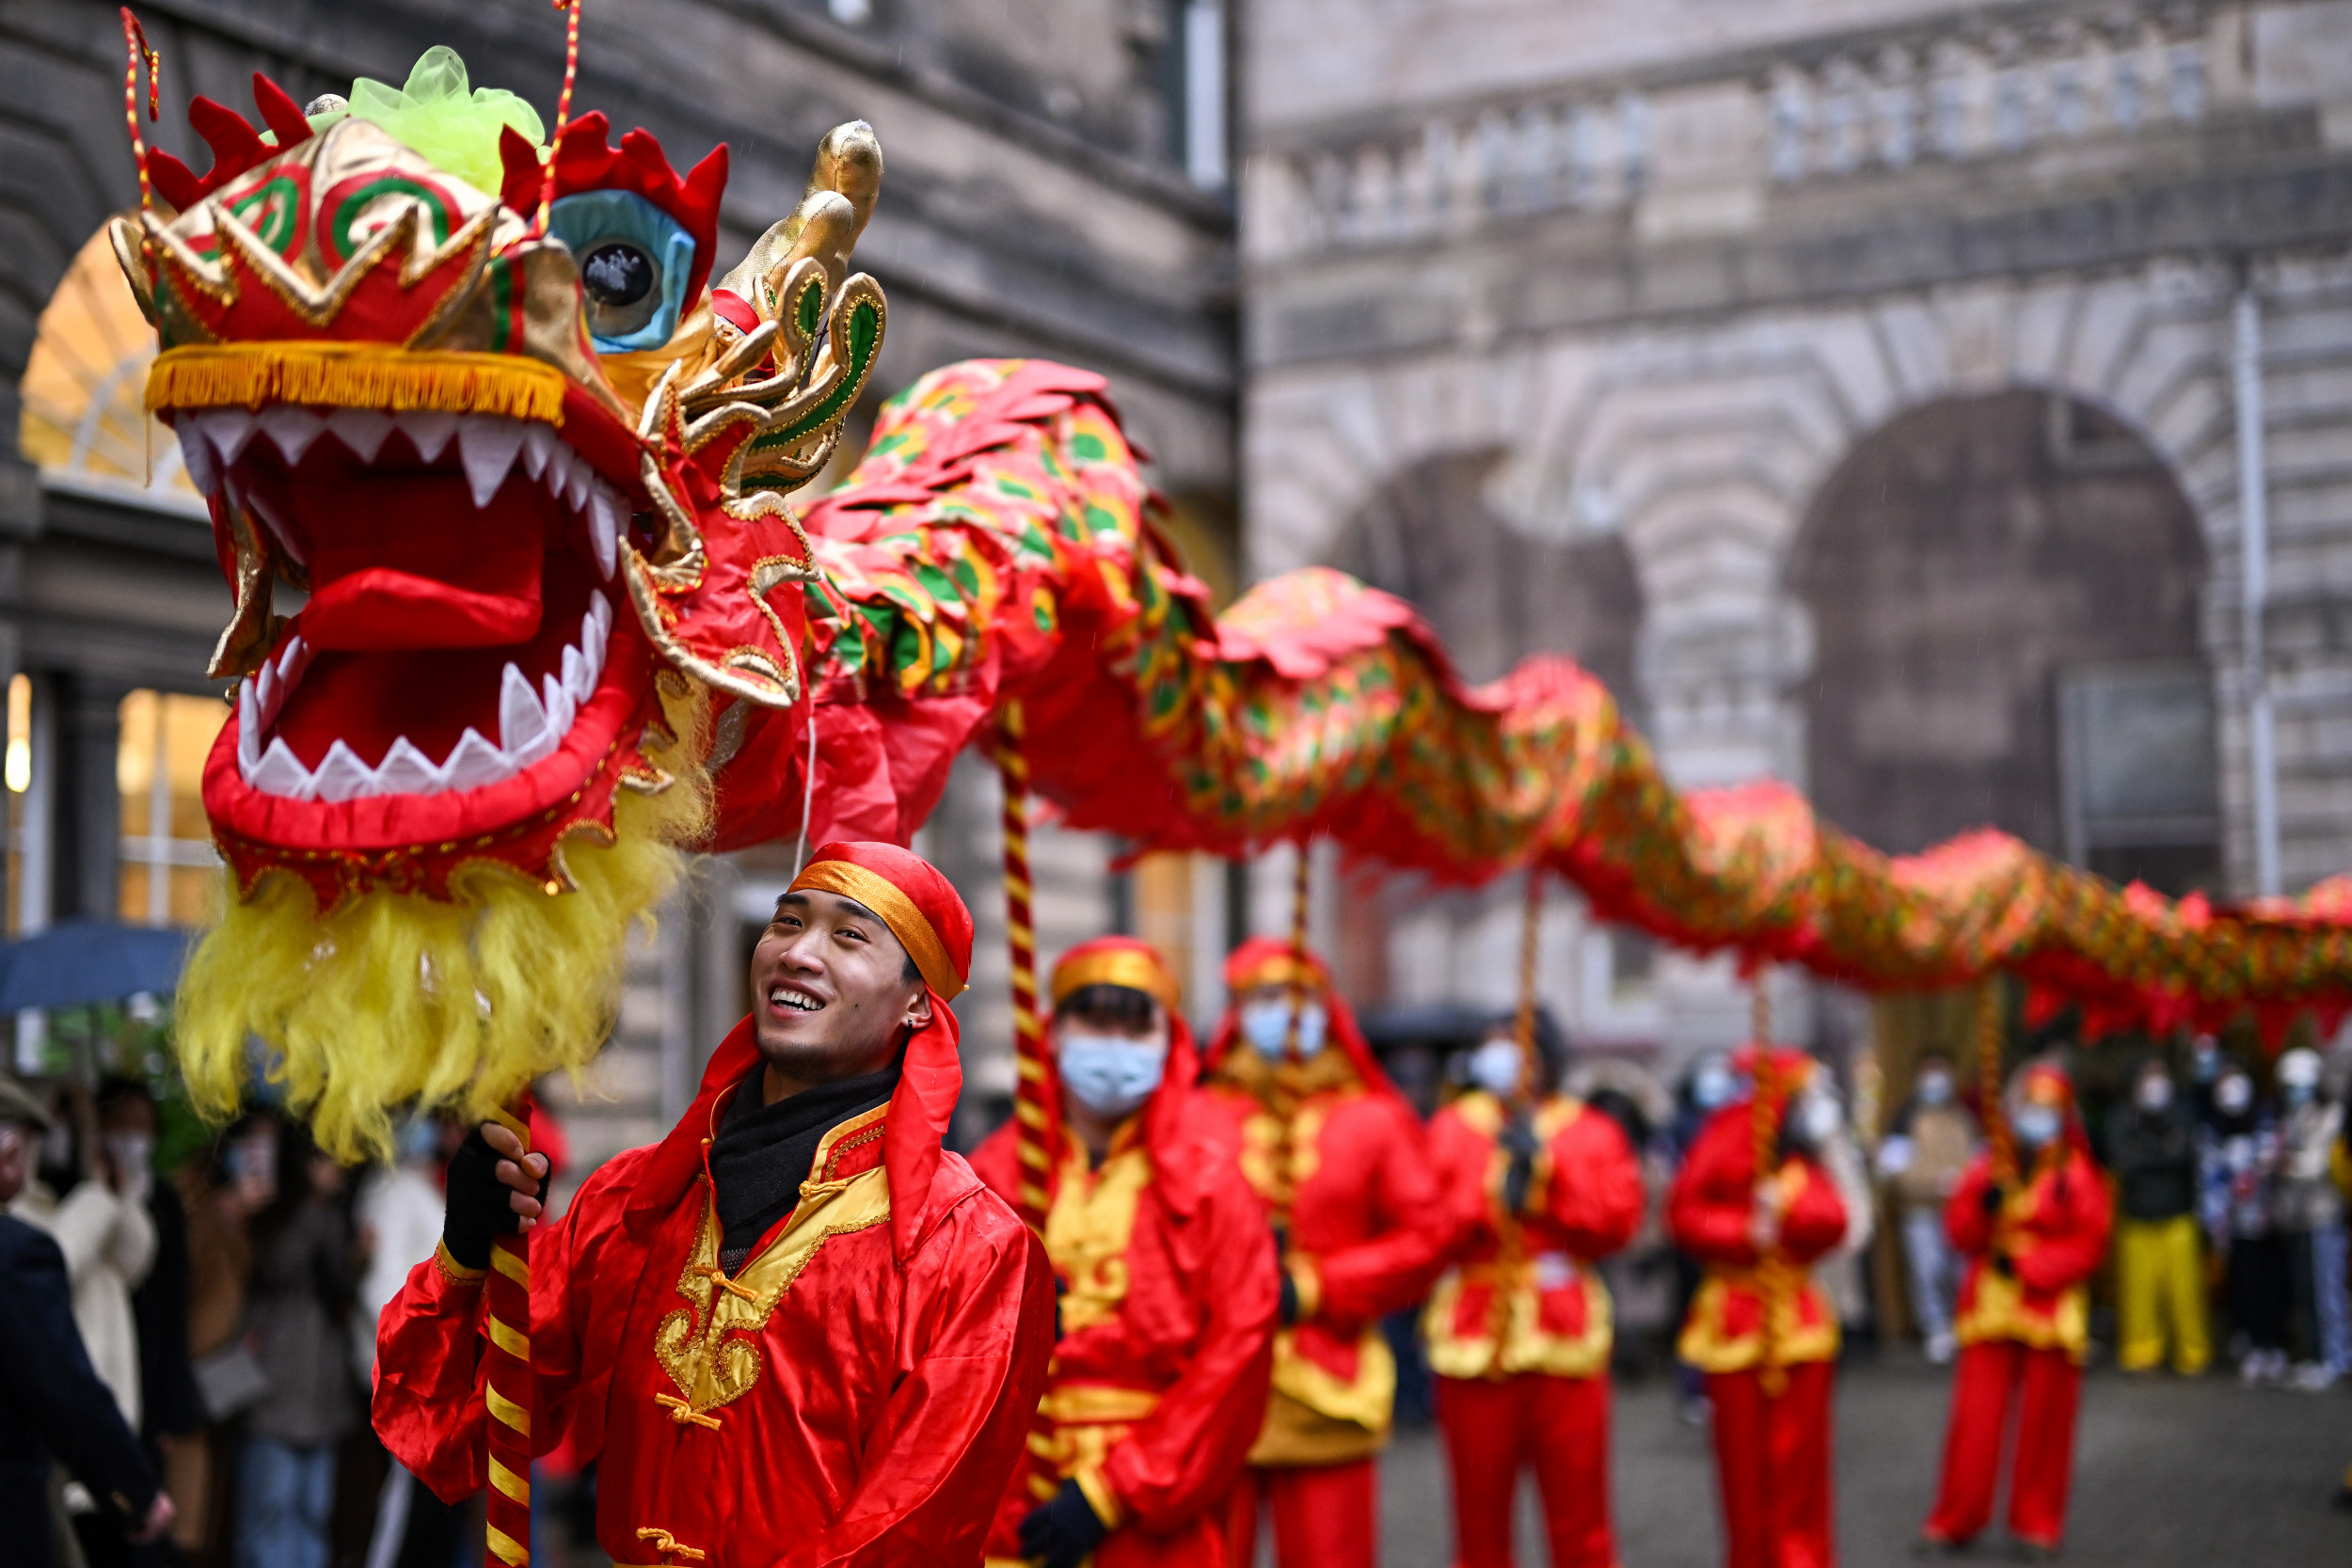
x=354, y=375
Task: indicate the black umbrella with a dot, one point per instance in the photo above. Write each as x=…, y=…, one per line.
x=77, y=963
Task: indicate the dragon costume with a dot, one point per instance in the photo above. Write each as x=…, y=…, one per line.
x=474, y=391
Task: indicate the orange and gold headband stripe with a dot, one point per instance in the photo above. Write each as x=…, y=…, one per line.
x=909, y=925
x=1281, y=970
x=1121, y=966
x=354, y=375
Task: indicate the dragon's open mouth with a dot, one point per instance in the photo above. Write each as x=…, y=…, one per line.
x=460, y=569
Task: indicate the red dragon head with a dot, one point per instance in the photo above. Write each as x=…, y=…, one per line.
x=530, y=481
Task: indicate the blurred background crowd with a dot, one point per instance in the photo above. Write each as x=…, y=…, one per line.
x=225, y=1282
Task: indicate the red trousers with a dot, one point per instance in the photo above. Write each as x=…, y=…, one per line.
x=1772, y=1462
x=1493, y=1430
x=1324, y=1515
x=1982, y=1383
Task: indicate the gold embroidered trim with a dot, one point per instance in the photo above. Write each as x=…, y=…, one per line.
x=353, y=376
x=906, y=921
x=451, y=1270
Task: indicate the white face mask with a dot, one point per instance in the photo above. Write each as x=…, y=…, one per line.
x=1712, y=1088
x=1935, y=1090
x=132, y=1151
x=2036, y=1125
x=2234, y=1096
x=2155, y=1093
x=1495, y=1066
x=1111, y=1075
x=1820, y=1118
x=1267, y=1027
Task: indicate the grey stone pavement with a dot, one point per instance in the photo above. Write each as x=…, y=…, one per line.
x=2169, y=1474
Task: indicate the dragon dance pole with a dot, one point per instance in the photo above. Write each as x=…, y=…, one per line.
x=2001, y=1146
x=1523, y=1026
x=510, y=1390
x=1028, y=1044
x=1764, y=1127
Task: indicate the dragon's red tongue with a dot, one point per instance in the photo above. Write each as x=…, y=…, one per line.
x=408, y=562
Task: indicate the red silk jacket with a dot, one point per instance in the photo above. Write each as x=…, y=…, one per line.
x=856, y=1394
x=1368, y=1232
x=1523, y=1296
x=1168, y=1293
x=1707, y=1211
x=2054, y=1230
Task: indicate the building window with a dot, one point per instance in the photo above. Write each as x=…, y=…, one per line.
x=167, y=854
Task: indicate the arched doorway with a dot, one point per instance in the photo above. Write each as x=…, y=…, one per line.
x=2005, y=593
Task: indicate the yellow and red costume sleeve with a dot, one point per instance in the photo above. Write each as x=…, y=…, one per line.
x=1709, y=1211
x=2053, y=1228
x=1523, y=1296
x=1168, y=1299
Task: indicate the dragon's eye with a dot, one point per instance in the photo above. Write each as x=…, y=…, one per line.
x=621, y=283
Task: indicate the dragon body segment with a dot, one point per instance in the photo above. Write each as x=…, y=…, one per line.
x=562, y=625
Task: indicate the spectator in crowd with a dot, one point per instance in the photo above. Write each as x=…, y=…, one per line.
x=97, y=1214
x=2160, y=1284
x=2240, y=1169
x=1927, y=1148
x=399, y=1224
x=220, y=1194
x=2206, y=1059
x=168, y=1412
x=303, y=1276
x=2310, y=1216
x=1822, y=1112
x=52, y=1402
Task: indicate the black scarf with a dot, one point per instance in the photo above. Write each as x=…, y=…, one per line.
x=763, y=1152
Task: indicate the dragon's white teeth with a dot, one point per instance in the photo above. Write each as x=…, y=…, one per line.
x=227, y=429
x=249, y=727
x=295, y=658
x=539, y=446
x=281, y=772
x=487, y=445
x=576, y=678
x=522, y=721
x=291, y=428
x=474, y=761
x=361, y=430
x=341, y=776
x=559, y=704
x=428, y=430
x=406, y=770
x=196, y=455
x=604, y=527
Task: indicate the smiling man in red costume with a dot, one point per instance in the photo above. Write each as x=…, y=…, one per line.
x=1542, y=1187
x=1338, y=1163
x=2025, y=1321
x=1168, y=1285
x=796, y=1332
x=1762, y=1331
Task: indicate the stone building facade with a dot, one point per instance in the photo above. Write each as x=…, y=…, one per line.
x=1856, y=387
x=1052, y=188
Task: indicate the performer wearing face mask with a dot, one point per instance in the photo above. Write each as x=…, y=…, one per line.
x=2025, y=1322
x=1338, y=1161
x=1540, y=1187
x=1167, y=1285
x=1758, y=1234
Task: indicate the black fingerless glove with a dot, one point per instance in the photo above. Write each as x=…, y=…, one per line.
x=1994, y=1199
x=1290, y=1299
x=1064, y=1532
x=1519, y=1141
x=476, y=1208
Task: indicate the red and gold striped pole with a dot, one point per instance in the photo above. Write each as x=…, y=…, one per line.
x=1764, y=1127
x=509, y=1390
x=1028, y=1042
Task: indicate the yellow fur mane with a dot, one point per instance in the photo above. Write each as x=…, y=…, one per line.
x=396, y=999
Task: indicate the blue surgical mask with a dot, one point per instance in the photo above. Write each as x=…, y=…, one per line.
x=1712, y=1088
x=1495, y=1066
x=2036, y=1125
x=1111, y=1075
x=1935, y=1090
x=1267, y=1027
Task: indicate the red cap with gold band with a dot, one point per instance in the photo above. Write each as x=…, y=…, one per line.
x=1115, y=962
x=921, y=907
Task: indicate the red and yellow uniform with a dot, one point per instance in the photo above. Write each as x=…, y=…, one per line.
x=1520, y=1330
x=855, y=1393
x=1771, y=1448
x=2024, y=1327
x=1168, y=1291
x=1340, y=1162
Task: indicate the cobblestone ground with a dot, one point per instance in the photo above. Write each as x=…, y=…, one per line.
x=2169, y=1474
